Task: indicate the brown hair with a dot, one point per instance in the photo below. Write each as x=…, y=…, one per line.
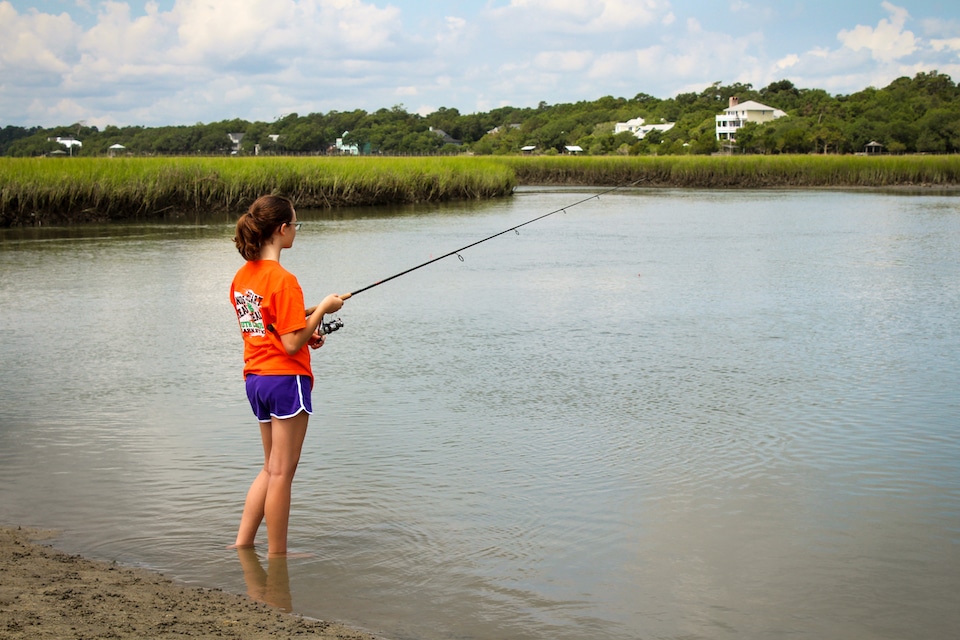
x=256, y=226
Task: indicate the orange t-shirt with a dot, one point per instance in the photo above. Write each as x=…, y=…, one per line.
x=265, y=294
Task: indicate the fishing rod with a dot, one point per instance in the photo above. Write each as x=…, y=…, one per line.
x=457, y=252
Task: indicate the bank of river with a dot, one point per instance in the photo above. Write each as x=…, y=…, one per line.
x=49, y=594
x=39, y=191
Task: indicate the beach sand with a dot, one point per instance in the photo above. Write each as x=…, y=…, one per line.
x=45, y=593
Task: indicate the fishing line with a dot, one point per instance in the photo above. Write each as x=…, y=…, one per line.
x=457, y=252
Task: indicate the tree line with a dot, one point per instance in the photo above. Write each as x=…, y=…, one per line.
x=910, y=115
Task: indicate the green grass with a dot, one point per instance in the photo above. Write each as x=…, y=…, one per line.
x=751, y=171
x=36, y=190
x=49, y=190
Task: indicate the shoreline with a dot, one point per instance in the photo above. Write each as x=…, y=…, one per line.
x=46, y=593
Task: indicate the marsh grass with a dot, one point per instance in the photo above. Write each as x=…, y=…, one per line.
x=46, y=190
x=741, y=171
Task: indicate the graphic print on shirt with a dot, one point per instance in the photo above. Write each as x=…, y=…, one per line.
x=248, y=312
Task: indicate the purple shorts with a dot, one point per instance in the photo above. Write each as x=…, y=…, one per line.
x=278, y=396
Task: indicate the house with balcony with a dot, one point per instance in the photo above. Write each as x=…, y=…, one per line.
x=738, y=114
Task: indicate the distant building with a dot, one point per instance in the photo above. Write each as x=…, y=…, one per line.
x=443, y=135
x=274, y=138
x=68, y=141
x=573, y=149
x=737, y=115
x=640, y=128
x=499, y=129
x=235, y=140
x=346, y=149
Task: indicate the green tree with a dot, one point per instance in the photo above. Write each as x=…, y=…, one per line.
x=826, y=135
x=921, y=113
x=748, y=138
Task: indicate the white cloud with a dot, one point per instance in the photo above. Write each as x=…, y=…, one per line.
x=608, y=65
x=452, y=33
x=701, y=54
x=950, y=44
x=239, y=93
x=581, y=16
x=222, y=30
x=36, y=46
x=455, y=24
x=888, y=41
x=188, y=51
x=225, y=31
x=64, y=110
x=122, y=50
x=204, y=60
x=874, y=56
x=787, y=61
x=939, y=27
x=564, y=61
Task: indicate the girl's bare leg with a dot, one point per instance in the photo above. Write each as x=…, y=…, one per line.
x=256, y=495
x=287, y=441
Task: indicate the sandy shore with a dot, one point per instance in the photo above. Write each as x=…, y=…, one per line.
x=45, y=593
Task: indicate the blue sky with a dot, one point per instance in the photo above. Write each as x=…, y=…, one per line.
x=187, y=61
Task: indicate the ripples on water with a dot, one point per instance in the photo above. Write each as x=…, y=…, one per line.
x=676, y=414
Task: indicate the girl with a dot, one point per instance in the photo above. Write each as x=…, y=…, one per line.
x=276, y=332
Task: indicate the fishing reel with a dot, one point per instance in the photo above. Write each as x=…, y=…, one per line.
x=331, y=326
x=324, y=328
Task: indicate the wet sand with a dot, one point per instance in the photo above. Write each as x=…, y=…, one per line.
x=45, y=593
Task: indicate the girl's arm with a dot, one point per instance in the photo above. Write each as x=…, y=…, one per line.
x=294, y=341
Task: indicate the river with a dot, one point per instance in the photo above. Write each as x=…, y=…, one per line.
x=658, y=414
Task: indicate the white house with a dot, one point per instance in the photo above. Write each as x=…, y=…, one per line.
x=496, y=130
x=68, y=141
x=639, y=128
x=235, y=140
x=346, y=149
x=629, y=125
x=737, y=114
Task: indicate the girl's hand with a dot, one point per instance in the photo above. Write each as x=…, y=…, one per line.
x=331, y=304
x=317, y=340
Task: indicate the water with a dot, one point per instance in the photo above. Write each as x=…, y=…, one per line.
x=662, y=414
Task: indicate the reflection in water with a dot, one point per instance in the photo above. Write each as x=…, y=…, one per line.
x=270, y=585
